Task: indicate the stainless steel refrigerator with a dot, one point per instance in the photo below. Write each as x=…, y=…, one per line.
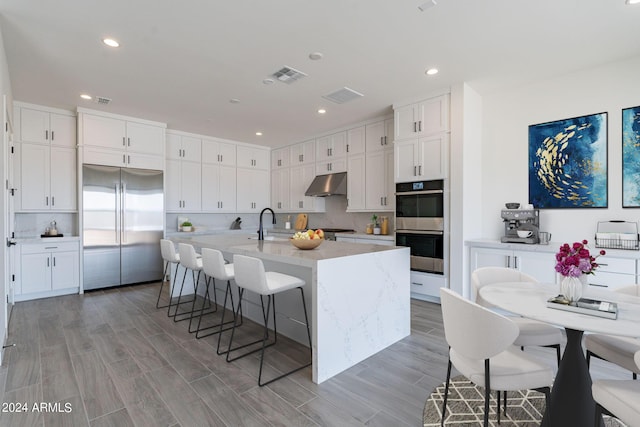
x=123, y=212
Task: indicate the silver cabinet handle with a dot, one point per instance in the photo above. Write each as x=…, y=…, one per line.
x=54, y=261
x=124, y=159
x=52, y=135
x=46, y=134
x=414, y=171
x=420, y=170
x=385, y=140
x=129, y=142
x=53, y=201
x=302, y=157
x=415, y=127
x=382, y=140
x=508, y=259
x=123, y=141
x=129, y=159
x=347, y=148
x=420, y=126
x=47, y=262
x=381, y=202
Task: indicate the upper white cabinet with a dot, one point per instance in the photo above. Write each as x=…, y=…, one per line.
x=303, y=153
x=301, y=177
x=45, y=159
x=331, y=146
x=119, y=134
x=280, y=158
x=218, y=188
x=182, y=147
x=424, y=118
x=356, y=140
x=253, y=189
x=421, y=159
x=45, y=127
x=280, y=188
x=253, y=157
x=380, y=186
x=113, y=140
x=379, y=135
x=182, y=186
x=220, y=152
x=326, y=166
x=356, y=182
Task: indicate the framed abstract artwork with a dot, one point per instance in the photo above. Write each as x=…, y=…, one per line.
x=568, y=163
x=631, y=157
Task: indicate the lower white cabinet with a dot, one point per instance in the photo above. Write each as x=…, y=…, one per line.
x=540, y=265
x=614, y=273
x=47, y=269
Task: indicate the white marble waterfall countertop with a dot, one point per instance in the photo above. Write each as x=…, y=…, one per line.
x=358, y=294
x=279, y=249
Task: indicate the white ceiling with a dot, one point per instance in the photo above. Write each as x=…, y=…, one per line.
x=180, y=62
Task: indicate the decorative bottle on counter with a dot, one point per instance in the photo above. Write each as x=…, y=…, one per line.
x=384, y=227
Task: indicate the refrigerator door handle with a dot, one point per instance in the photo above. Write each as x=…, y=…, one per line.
x=124, y=211
x=117, y=212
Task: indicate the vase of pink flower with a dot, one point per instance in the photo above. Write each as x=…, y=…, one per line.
x=574, y=262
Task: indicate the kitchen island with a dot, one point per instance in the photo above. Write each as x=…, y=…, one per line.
x=357, y=294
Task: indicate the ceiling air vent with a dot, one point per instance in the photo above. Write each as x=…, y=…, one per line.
x=101, y=100
x=343, y=95
x=288, y=75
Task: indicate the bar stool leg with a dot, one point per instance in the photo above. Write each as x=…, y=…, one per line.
x=230, y=348
x=233, y=312
x=222, y=322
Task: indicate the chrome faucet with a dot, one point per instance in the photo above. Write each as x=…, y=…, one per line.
x=261, y=230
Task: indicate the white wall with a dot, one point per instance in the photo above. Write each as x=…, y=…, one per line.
x=5, y=89
x=507, y=115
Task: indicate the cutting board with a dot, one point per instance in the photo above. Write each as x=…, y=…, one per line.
x=301, y=222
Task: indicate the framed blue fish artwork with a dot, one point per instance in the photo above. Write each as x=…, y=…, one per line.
x=631, y=157
x=568, y=163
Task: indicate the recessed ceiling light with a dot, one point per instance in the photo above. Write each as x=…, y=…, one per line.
x=431, y=71
x=315, y=56
x=110, y=42
x=85, y=96
x=322, y=111
x=633, y=1
x=258, y=133
x=267, y=81
x=234, y=101
x=427, y=5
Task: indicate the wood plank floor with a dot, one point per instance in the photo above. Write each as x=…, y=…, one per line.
x=110, y=358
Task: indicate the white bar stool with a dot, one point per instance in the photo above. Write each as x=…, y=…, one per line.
x=215, y=268
x=170, y=256
x=250, y=274
x=190, y=260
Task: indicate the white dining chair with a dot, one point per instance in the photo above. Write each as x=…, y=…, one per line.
x=620, y=398
x=481, y=348
x=532, y=332
x=615, y=349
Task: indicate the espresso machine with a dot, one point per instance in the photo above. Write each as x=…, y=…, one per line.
x=527, y=221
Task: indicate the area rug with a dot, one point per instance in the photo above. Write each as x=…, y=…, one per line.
x=465, y=407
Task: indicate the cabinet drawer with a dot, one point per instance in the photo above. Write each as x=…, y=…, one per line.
x=616, y=265
x=611, y=281
x=33, y=248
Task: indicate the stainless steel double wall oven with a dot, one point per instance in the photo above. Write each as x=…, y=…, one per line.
x=420, y=223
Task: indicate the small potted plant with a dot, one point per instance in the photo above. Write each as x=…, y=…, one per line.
x=376, y=224
x=186, y=226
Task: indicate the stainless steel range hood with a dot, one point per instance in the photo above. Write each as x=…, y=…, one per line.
x=328, y=185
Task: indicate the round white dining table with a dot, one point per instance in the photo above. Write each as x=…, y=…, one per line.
x=571, y=400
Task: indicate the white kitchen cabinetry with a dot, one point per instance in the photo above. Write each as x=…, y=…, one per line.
x=540, y=265
x=303, y=153
x=613, y=272
x=218, y=188
x=253, y=157
x=356, y=183
x=331, y=147
x=280, y=189
x=380, y=186
x=253, y=189
x=379, y=135
x=45, y=127
x=113, y=140
x=47, y=269
x=424, y=118
x=356, y=140
x=183, y=186
x=47, y=178
x=421, y=159
x=182, y=147
x=333, y=165
x=223, y=153
x=280, y=158
x=301, y=177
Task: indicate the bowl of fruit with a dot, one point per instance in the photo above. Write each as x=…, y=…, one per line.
x=309, y=239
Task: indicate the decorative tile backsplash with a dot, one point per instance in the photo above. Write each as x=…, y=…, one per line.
x=30, y=225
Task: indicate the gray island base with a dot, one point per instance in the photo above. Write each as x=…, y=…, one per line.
x=358, y=294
